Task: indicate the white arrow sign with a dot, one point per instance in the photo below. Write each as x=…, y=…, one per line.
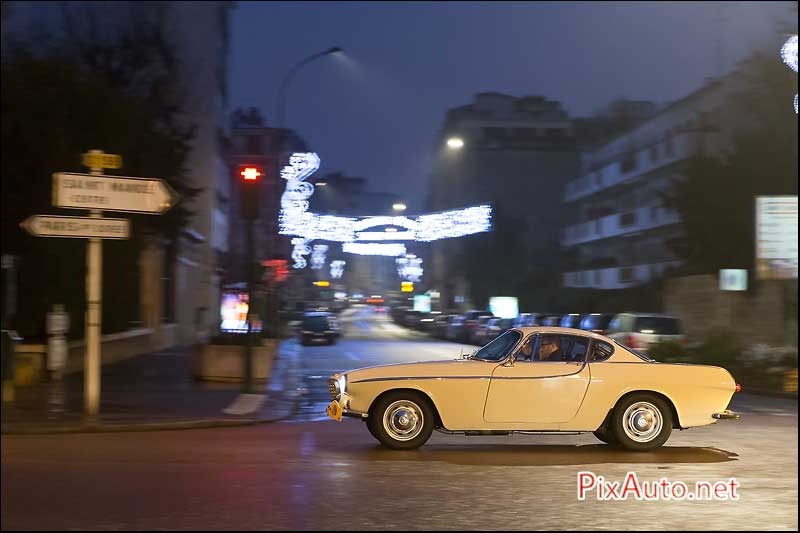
x=112, y=193
x=77, y=227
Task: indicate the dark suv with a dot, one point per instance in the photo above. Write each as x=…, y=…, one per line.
x=319, y=326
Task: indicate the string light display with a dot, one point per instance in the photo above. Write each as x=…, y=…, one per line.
x=318, y=256
x=337, y=268
x=789, y=56
x=409, y=267
x=392, y=249
x=296, y=220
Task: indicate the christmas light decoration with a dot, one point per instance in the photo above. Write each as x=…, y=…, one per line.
x=374, y=248
x=318, y=256
x=409, y=267
x=789, y=56
x=296, y=220
x=337, y=268
x=300, y=249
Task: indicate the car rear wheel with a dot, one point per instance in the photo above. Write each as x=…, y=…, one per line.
x=401, y=420
x=641, y=422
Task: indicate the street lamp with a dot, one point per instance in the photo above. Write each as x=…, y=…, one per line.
x=281, y=112
x=399, y=206
x=455, y=143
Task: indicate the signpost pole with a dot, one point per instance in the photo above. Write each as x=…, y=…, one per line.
x=94, y=272
x=248, y=349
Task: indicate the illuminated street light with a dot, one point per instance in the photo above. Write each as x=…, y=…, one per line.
x=399, y=206
x=455, y=143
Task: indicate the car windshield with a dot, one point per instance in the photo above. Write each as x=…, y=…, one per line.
x=658, y=325
x=315, y=323
x=499, y=348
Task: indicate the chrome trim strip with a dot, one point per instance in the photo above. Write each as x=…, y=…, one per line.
x=419, y=377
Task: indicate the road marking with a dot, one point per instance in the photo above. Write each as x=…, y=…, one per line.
x=352, y=356
x=245, y=404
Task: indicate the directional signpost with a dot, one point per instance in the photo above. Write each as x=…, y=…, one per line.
x=77, y=227
x=97, y=192
x=111, y=193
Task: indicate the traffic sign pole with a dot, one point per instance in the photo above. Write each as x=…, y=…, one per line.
x=94, y=273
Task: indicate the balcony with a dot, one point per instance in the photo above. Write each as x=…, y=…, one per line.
x=622, y=277
x=632, y=166
x=642, y=219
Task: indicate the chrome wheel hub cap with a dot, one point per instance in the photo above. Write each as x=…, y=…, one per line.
x=642, y=422
x=403, y=420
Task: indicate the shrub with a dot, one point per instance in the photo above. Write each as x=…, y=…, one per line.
x=669, y=352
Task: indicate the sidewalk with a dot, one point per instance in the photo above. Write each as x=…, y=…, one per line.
x=154, y=391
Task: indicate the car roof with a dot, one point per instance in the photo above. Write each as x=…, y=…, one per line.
x=563, y=331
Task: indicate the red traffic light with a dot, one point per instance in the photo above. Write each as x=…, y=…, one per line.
x=250, y=173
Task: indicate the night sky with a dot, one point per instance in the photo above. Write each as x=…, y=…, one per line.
x=375, y=112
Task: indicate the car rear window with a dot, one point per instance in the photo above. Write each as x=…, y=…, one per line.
x=657, y=325
x=316, y=323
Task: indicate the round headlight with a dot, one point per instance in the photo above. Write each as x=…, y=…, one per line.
x=334, y=389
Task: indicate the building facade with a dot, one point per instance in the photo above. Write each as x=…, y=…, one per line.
x=179, y=281
x=617, y=230
x=516, y=154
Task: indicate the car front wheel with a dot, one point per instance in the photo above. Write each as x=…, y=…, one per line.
x=641, y=422
x=402, y=420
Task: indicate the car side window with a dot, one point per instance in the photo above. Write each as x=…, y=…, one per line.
x=561, y=348
x=601, y=351
x=525, y=350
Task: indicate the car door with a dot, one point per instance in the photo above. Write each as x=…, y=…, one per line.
x=540, y=390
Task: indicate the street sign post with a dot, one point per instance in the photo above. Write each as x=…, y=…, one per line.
x=77, y=227
x=112, y=193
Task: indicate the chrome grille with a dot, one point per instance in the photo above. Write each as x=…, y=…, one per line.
x=332, y=389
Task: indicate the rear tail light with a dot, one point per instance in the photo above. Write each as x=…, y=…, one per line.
x=738, y=387
x=630, y=341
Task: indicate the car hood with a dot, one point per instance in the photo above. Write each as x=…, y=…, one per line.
x=427, y=369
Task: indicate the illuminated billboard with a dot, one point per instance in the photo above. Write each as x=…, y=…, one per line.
x=776, y=237
x=504, y=306
x=233, y=311
x=422, y=303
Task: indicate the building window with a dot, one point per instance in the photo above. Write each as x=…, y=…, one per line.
x=626, y=274
x=629, y=163
x=627, y=219
x=669, y=147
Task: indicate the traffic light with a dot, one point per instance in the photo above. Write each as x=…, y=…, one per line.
x=250, y=188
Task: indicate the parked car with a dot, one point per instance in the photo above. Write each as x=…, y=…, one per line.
x=572, y=320
x=440, y=325
x=551, y=320
x=597, y=322
x=498, y=390
x=496, y=327
x=478, y=332
x=461, y=330
x=318, y=326
x=522, y=320
x=639, y=330
x=454, y=328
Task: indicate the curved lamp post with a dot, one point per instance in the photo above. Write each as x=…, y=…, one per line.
x=281, y=112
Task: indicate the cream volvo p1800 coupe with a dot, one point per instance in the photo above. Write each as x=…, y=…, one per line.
x=535, y=380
